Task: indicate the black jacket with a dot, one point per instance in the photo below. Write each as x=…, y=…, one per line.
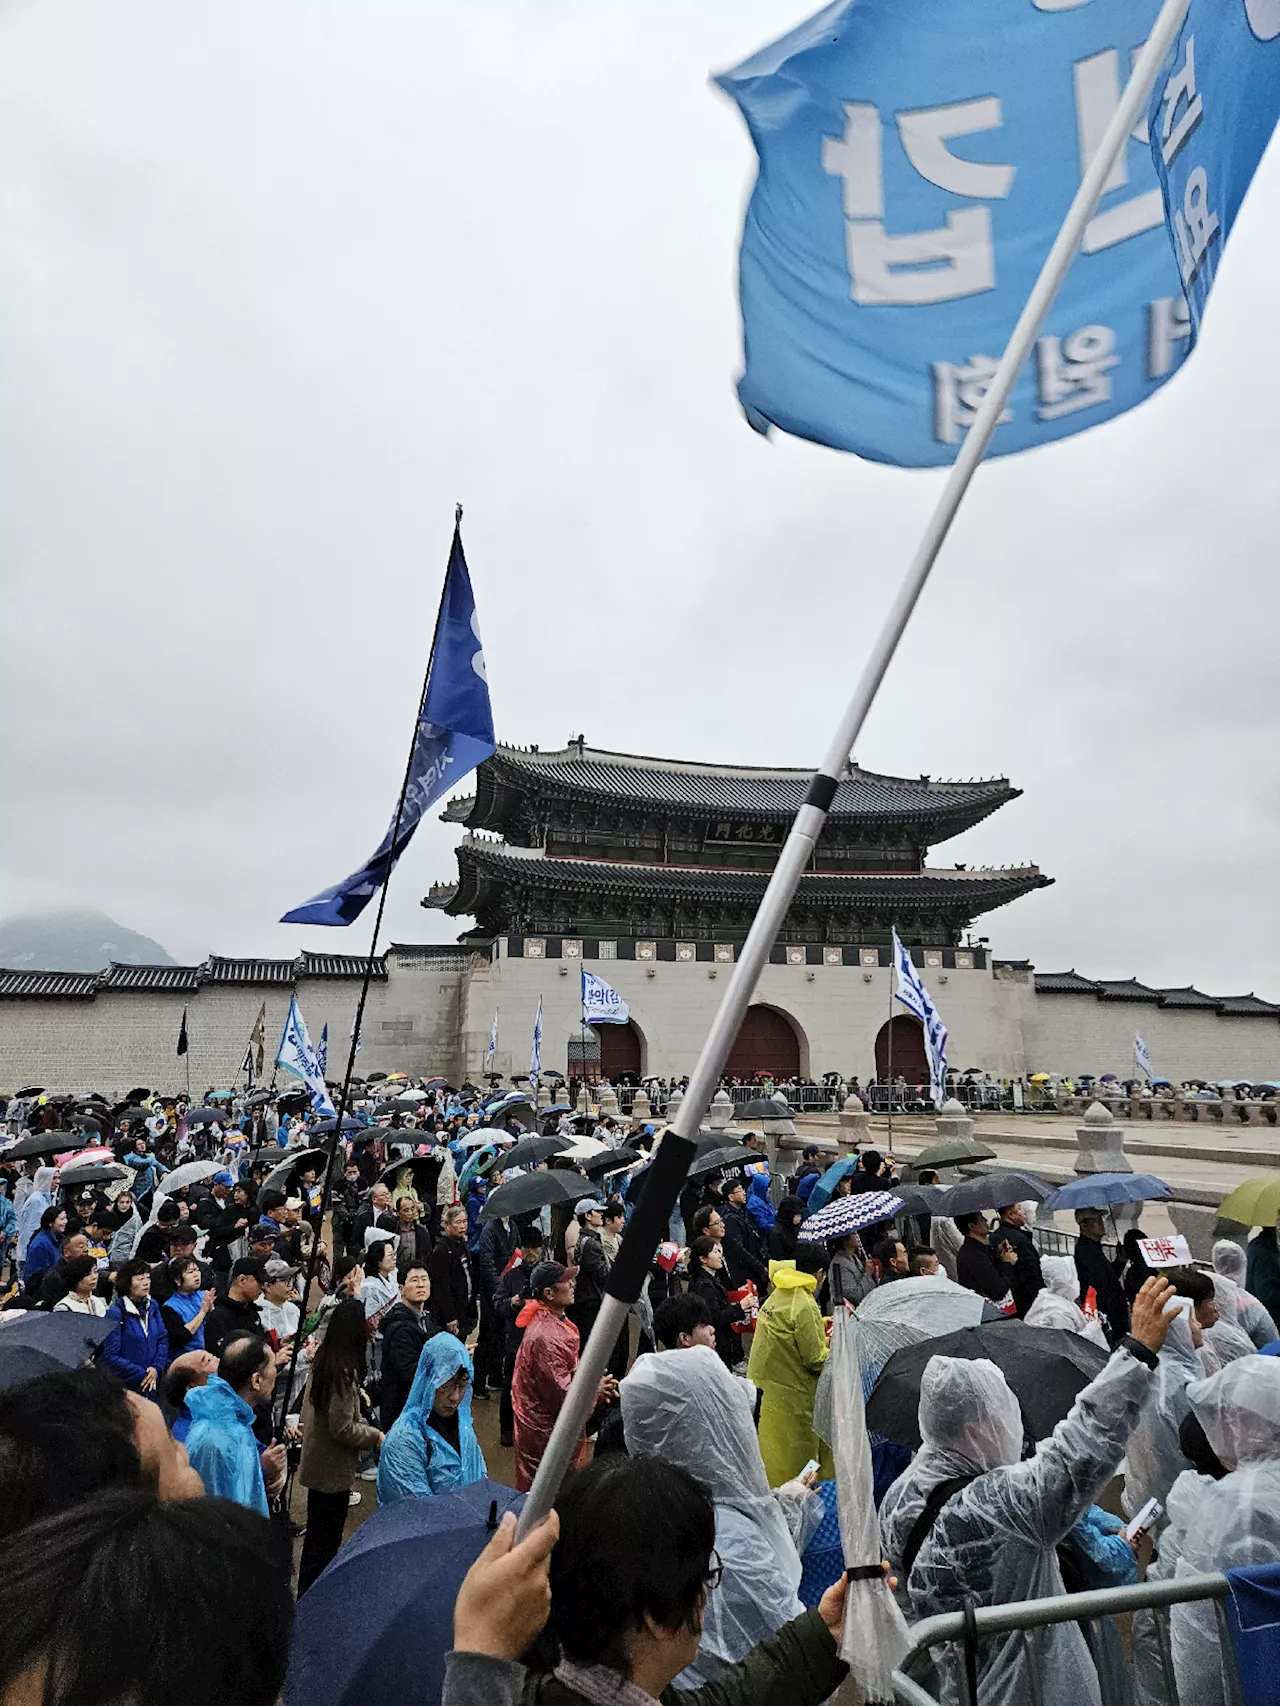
x=510, y=1298
x=744, y=1249
x=498, y=1243
x=1025, y=1281
x=452, y=1291
x=404, y=1332
x=228, y=1317
x=153, y=1244
x=415, y=1248
x=365, y=1220
x=1095, y=1270
x=593, y=1268
x=981, y=1270
x=223, y=1228
x=714, y=1292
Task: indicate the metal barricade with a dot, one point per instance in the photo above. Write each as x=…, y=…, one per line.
x=1090, y=1611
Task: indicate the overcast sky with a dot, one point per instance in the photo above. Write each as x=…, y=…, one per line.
x=279, y=283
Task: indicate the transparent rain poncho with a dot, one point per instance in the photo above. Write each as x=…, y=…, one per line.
x=1228, y=1524
x=1254, y=1318
x=1228, y=1336
x=906, y=1313
x=1154, y=1459
x=996, y=1540
x=1057, y=1304
x=686, y=1407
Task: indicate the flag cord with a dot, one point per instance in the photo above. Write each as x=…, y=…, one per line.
x=335, y=1141
x=662, y=1184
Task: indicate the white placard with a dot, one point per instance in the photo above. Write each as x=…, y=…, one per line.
x=1172, y=1252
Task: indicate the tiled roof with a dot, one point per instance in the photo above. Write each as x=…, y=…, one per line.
x=119, y=976
x=48, y=983
x=1187, y=997
x=711, y=789
x=339, y=965
x=218, y=970
x=1013, y=965
x=1245, y=1004
x=1126, y=989
x=1064, y=983
x=482, y=861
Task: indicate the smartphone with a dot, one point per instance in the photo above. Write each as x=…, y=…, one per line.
x=808, y=1469
x=1143, y=1521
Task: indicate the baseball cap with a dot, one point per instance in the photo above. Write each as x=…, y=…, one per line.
x=548, y=1273
x=222, y=1178
x=293, y=1202
x=250, y=1265
x=587, y=1205
x=263, y=1230
x=277, y=1269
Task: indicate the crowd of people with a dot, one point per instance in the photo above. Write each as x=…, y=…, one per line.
x=697, y=1540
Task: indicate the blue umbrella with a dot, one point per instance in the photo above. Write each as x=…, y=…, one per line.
x=322, y=1127
x=820, y=1195
x=378, y=1623
x=849, y=1214
x=1100, y=1190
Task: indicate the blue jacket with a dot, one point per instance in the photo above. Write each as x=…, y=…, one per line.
x=136, y=1342
x=222, y=1446
x=415, y=1459
x=42, y=1253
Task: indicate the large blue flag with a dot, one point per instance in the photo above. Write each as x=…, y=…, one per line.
x=917, y=158
x=297, y=1057
x=910, y=990
x=454, y=734
x=1213, y=110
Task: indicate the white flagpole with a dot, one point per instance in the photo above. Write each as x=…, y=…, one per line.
x=675, y=1153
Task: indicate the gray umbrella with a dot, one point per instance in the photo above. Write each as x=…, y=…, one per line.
x=765, y=1108
x=992, y=1190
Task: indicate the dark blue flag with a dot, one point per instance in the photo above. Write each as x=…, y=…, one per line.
x=1212, y=114
x=454, y=734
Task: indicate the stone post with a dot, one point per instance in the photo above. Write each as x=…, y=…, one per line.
x=584, y=1100
x=721, y=1113
x=673, y=1104
x=641, y=1112
x=609, y=1103
x=544, y=1096
x=1100, y=1144
x=776, y=1129
x=953, y=1123
x=855, y=1124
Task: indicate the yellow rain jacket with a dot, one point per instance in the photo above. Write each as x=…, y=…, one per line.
x=787, y=1354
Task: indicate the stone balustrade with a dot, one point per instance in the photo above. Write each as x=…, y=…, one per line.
x=1178, y=1107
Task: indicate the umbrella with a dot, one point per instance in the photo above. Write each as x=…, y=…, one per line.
x=425, y=1171
x=820, y=1195
x=849, y=1214
x=551, y=1072
x=270, y=1153
x=45, y=1143
x=584, y=1148
x=765, y=1108
x=919, y=1199
x=439, y=1084
x=400, y=1105
x=1099, y=1190
x=907, y=1312
x=379, y=1621
x=992, y=1190
x=374, y=1077
x=1038, y=1078
x=953, y=1152
x=189, y=1174
x=530, y=1151
x=1255, y=1203
x=713, y=1160
x=256, y=1098
x=558, y=1108
x=482, y=1135
x=293, y=1162
x=612, y=1161
x=93, y=1173
x=531, y=1191
x=31, y=1090
x=206, y=1116
x=1046, y=1369
x=325, y=1126
x=41, y=1343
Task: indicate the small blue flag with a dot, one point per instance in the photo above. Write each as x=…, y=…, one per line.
x=916, y=999
x=916, y=163
x=454, y=734
x=493, y=1042
x=1212, y=113
x=601, y=1003
x=535, y=1057
x=297, y=1057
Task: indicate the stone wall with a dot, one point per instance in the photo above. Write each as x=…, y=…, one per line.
x=1080, y=1033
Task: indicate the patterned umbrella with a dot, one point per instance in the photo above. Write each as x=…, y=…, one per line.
x=849, y=1214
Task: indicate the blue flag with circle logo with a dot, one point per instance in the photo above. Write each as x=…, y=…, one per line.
x=916, y=160
x=454, y=734
x=1212, y=114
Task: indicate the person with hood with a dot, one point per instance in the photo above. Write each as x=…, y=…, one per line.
x=432, y=1448
x=969, y=1520
x=39, y=1198
x=1229, y=1264
x=687, y=1409
x=808, y=1173
x=544, y=1368
x=1262, y=1270
x=1230, y=1524
x=1154, y=1458
x=335, y=1432
x=781, y=1242
x=44, y=1249
x=759, y=1207
x=221, y=1442
x=137, y=1348
x=788, y=1350
x=1058, y=1304
x=128, y=1232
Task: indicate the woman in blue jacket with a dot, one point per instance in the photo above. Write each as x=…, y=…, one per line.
x=44, y=1248
x=137, y=1348
x=432, y=1445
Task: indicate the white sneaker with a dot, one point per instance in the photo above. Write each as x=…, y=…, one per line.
x=369, y=1474
x=355, y=1497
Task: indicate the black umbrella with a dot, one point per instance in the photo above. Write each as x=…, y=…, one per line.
x=920, y=1199
x=323, y=1127
x=401, y=1105
x=531, y=1191
x=991, y=1190
x=207, y=1116
x=92, y=1173
x=374, y=1077
x=425, y=1173
x=765, y=1108
x=527, y=1153
x=44, y=1143
x=612, y=1162
x=31, y=1090
x=138, y=1094
x=270, y=1153
x=1045, y=1367
x=714, y=1159
x=42, y=1343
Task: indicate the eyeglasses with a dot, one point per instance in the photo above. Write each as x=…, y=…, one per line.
x=715, y=1572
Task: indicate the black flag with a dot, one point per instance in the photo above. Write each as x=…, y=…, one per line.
x=182, y=1033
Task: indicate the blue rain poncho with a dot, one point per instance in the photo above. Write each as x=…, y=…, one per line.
x=222, y=1446
x=686, y=1407
x=39, y=1198
x=416, y=1459
x=997, y=1539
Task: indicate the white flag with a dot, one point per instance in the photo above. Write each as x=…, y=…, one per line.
x=297, y=1057
x=1141, y=1059
x=601, y=1003
x=535, y=1058
x=916, y=999
x=493, y=1042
